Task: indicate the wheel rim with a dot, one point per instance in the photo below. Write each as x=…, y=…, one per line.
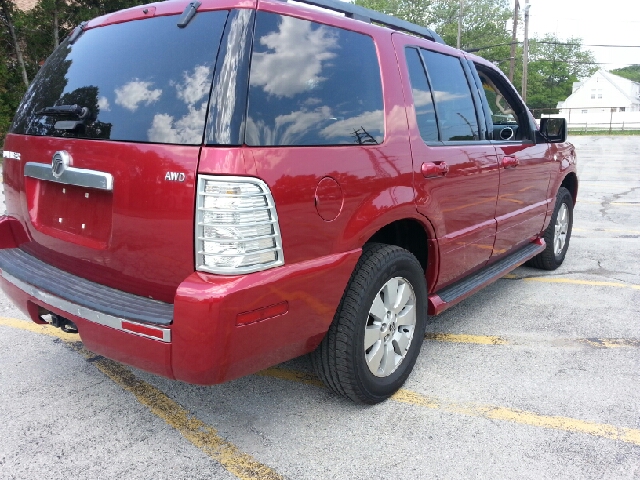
x=561, y=229
x=389, y=330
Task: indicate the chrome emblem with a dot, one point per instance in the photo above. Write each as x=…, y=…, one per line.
x=61, y=160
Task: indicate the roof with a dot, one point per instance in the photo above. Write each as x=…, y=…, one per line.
x=622, y=84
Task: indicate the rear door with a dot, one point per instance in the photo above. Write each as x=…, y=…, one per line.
x=455, y=167
x=119, y=208
x=525, y=168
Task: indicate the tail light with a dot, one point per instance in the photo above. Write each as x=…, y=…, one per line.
x=236, y=226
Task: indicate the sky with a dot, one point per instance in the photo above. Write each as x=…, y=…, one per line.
x=610, y=22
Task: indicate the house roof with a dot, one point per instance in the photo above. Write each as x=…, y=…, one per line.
x=621, y=83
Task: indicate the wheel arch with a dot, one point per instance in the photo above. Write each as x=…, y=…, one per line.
x=570, y=182
x=412, y=235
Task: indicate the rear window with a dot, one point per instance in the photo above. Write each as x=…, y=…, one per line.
x=142, y=81
x=312, y=84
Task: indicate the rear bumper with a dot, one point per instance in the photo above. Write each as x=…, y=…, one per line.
x=208, y=340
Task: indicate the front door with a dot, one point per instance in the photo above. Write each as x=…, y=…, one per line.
x=525, y=168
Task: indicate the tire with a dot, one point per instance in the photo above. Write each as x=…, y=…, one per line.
x=372, y=372
x=557, y=234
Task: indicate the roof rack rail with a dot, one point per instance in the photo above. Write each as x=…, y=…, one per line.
x=366, y=15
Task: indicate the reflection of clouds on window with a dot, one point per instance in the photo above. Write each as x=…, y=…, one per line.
x=421, y=98
x=186, y=130
x=347, y=127
x=295, y=61
x=135, y=92
x=195, y=86
x=223, y=96
x=288, y=128
x=442, y=97
x=103, y=104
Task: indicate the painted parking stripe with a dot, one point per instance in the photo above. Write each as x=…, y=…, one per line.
x=571, y=281
x=607, y=230
x=203, y=436
x=245, y=467
x=459, y=338
x=533, y=342
x=618, y=204
x=491, y=412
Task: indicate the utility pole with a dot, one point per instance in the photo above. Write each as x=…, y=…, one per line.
x=525, y=62
x=514, y=40
x=459, y=24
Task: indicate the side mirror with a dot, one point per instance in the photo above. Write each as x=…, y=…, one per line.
x=552, y=130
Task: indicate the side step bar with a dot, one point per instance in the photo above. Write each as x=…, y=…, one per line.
x=449, y=296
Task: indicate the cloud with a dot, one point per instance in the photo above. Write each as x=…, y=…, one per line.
x=103, y=104
x=135, y=92
x=186, y=130
x=195, y=86
x=347, y=127
x=295, y=58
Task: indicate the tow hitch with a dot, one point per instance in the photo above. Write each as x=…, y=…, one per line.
x=60, y=322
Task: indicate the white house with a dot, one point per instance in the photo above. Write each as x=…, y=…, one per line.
x=604, y=90
x=603, y=98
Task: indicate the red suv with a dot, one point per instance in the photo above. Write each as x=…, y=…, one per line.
x=203, y=190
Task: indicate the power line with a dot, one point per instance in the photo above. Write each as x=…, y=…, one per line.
x=546, y=42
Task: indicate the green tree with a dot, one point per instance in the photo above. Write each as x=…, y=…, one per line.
x=554, y=65
x=632, y=72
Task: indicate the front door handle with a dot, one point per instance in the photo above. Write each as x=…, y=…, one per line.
x=434, y=169
x=509, y=162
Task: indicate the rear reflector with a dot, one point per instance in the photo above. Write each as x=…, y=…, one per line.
x=262, y=313
x=143, y=329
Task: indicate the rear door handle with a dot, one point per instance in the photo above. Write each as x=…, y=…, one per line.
x=434, y=169
x=509, y=162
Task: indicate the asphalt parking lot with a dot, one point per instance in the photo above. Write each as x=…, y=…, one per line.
x=537, y=376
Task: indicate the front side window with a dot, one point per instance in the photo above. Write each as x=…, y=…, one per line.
x=312, y=84
x=509, y=117
x=454, y=104
x=142, y=81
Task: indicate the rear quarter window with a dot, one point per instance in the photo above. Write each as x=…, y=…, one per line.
x=143, y=81
x=312, y=84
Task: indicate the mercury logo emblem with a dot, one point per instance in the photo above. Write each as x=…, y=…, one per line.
x=61, y=160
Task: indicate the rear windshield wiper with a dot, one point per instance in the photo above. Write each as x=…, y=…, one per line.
x=65, y=110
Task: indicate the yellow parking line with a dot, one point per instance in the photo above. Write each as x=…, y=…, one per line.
x=203, y=436
x=610, y=342
x=245, y=467
x=619, y=204
x=571, y=281
x=607, y=230
x=527, y=341
x=458, y=338
x=492, y=412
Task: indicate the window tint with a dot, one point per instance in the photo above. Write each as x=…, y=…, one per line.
x=143, y=81
x=456, y=111
x=422, y=98
x=312, y=84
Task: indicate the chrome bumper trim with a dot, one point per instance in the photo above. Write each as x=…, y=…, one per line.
x=70, y=176
x=84, y=312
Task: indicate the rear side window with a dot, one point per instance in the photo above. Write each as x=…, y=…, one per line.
x=422, y=98
x=142, y=81
x=454, y=105
x=312, y=84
